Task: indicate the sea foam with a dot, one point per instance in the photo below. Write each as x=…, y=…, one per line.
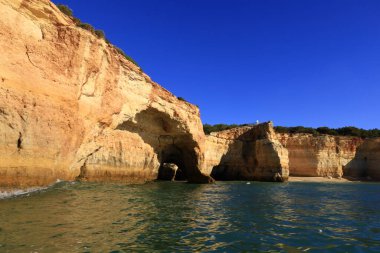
x=20, y=192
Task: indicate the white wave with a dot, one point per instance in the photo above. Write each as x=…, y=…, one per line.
x=19, y=192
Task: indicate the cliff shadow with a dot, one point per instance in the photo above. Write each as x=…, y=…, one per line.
x=239, y=162
x=357, y=168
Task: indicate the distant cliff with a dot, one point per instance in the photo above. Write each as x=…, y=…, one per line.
x=247, y=153
x=322, y=155
x=232, y=154
x=366, y=163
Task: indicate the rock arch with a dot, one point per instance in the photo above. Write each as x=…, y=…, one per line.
x=171, y=140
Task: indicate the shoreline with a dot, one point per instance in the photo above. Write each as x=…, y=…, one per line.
x=319, y=179
x=9, y=191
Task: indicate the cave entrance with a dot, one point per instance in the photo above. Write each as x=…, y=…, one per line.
x=171, y=140
x=176, y=163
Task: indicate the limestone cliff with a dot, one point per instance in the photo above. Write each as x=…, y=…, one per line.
x=322, y=155
x=246, y=153
x=72, y=107
x=366, y=163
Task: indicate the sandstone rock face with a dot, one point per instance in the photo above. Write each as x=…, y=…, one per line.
x=72, y=107
x=324, y=155
x=366, y=163
x=246, y=153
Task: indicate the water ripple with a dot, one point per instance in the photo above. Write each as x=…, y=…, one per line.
x=172, y=217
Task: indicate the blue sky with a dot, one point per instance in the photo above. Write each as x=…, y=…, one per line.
x=296, y=62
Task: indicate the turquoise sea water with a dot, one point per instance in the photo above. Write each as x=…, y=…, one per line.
x=173, y=217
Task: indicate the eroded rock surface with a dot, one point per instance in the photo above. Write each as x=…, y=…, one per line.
x=246, y=153
x=72, y=107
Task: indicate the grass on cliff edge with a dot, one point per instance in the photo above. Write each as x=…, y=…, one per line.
x=343, y=131
x=207, y=128
x=99, y=33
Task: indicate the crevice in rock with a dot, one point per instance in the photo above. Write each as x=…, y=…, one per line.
x=90, y=154
x=83, y=167
x=19, y=141
x=42, y=33
x=2, y=111
x=21, y=116
x=27, y=54
x=83, y=171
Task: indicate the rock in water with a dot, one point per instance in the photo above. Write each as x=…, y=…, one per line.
x=167, y=171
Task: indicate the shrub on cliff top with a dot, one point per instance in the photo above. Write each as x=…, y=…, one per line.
x=344, y=131
x=100, y=34
x=326, y=130
x=87, y=27
x=207, y=128
x=76, y=20
x=65, y=9
x=125, y=55
x=297, y=129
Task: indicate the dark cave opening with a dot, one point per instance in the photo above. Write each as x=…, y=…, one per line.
x=173, y=165
x=177, y=158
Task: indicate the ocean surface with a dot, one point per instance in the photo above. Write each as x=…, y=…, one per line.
x=176, y=216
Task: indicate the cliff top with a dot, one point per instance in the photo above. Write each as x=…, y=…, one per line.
x=64, y=16
x=320, y=131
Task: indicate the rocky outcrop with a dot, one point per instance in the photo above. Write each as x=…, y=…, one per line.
x=246, y=153
x=366, y=163
x=72, y=107
x=168, y=171
x=324, y=155
x=258, y=153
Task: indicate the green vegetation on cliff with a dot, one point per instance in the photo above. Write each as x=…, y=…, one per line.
x=125, y=55
x=343, y=131
x=99, y=33
x=207, y=129
x=65, y=9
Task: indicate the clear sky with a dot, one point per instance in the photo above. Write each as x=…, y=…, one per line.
x=296, y=62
